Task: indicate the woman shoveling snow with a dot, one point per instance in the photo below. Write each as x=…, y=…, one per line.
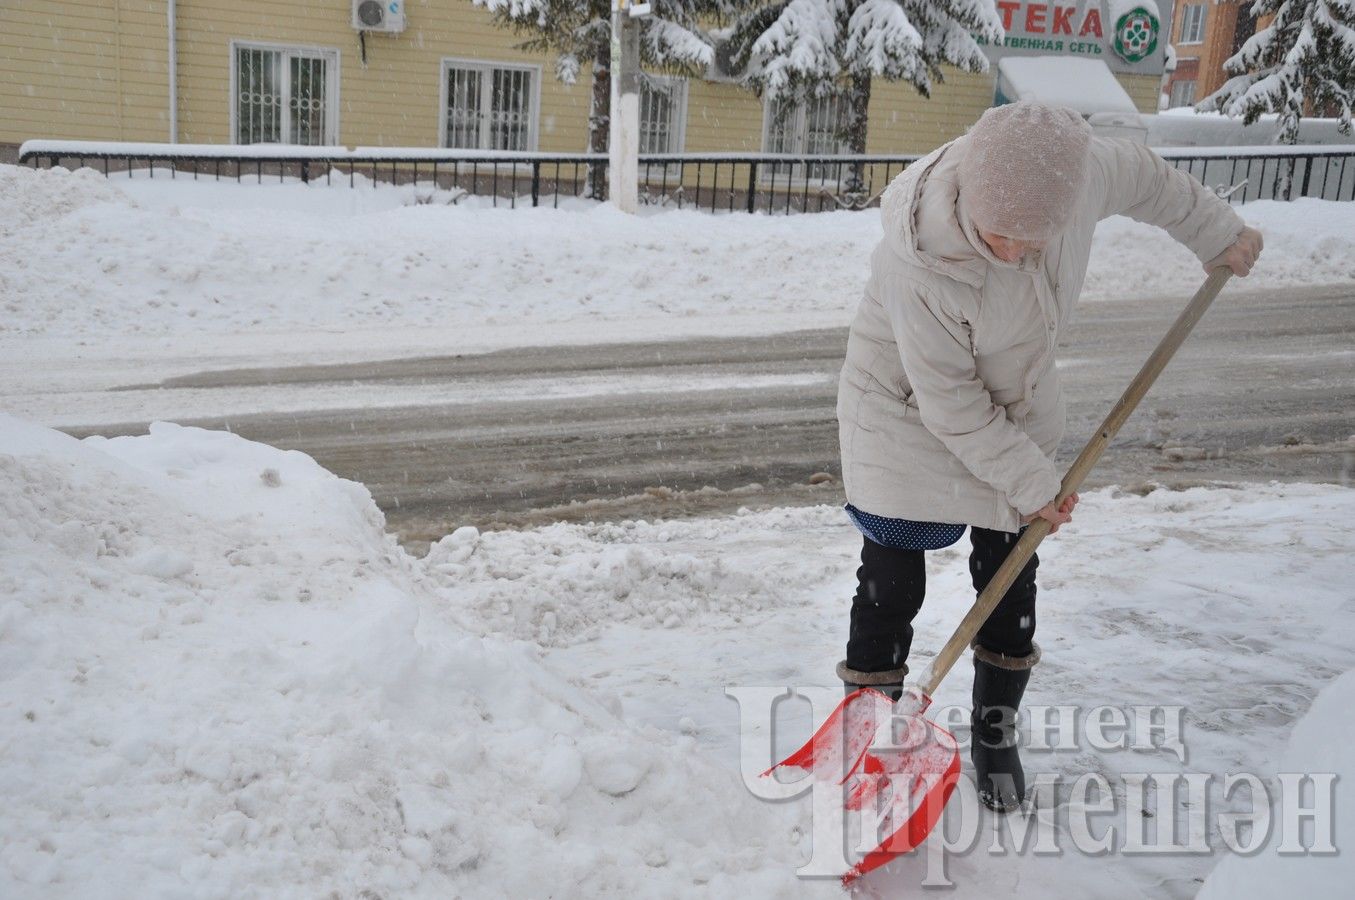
x=949, y=404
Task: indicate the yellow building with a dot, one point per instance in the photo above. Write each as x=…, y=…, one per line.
x=299, y=72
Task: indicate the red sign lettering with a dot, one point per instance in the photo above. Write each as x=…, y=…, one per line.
x=1008, y=7
x=1091, y=24
x=1063, y=20
x=1035, y=18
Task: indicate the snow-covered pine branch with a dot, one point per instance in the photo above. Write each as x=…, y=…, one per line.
x=880, y=39
x=800, y=45
x=801, y=48
x=1303, y=60
x=793, y=50
x=668, y=43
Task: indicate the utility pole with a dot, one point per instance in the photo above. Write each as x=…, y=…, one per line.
x=623, y=146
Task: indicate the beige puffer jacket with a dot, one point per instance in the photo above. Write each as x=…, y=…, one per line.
x=949, y=404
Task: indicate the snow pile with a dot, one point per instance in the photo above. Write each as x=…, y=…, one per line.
x=33, y=196
x=1307, y=242
x=1323, y=742
x=292, y=260
x=562, y=584
x=194, y=261
x=1184, y=126
x=219, y=678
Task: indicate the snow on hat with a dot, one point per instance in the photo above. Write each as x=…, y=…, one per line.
x=1022, y=169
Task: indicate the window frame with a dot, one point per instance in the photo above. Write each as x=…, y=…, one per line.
x=1173, y=97
x=1197, y=35
x=800, y=138
x=677, y=126
x=487, y=67
x=332, y=105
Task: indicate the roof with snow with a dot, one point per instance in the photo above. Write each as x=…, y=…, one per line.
x=1086, y=85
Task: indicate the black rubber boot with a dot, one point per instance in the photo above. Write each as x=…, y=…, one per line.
x=999, y=683
x=889, y=683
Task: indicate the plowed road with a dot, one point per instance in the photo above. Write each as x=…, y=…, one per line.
x=1265, y=389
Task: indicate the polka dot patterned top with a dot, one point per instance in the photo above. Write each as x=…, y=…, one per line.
x=905, y=534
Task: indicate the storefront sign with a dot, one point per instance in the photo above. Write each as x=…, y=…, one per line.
x=1129, y=35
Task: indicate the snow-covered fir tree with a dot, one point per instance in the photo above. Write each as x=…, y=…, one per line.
x=796, y=49
x=672, y=38
x=1303, y=61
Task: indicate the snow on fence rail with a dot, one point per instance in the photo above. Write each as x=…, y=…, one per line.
x=719, y=182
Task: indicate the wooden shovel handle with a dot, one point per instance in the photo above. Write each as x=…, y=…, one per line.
x=1077, y=473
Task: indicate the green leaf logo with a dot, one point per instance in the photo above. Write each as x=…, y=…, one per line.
x=1136, y=34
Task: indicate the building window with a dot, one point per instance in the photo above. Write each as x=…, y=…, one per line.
x=284, y=95
x=489, y=106
x=663, y=112
x=1192, y=24
x=811, y=128
x=1183, y=94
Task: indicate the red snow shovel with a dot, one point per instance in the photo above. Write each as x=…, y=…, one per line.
x=907, y=780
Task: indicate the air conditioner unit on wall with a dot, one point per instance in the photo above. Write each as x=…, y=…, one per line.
x=379, y=15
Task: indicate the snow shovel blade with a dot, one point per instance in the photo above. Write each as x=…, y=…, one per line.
x=910, y=783
x=906, y=780
x=836, y=749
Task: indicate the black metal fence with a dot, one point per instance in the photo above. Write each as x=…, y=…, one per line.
x=717, y=182
x=1271, y=173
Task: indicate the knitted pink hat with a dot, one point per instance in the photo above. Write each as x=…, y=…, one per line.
x=1022, y=169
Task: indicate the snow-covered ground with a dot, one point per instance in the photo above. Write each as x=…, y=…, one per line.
x=221, y=678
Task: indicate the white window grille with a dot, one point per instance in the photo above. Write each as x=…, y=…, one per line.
x=780, y=134
x=663, y=113
x=489, y=106
x=811, y=128
x=1183, y=93
x=284, y=95
x=1192, y=24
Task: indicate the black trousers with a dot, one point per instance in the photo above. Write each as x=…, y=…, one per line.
x=890, y=588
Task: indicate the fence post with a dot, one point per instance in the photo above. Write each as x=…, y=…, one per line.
x=536, y=182
x=305, y=171
x=1307, y=171
x=1288, y=177
x=752, y=185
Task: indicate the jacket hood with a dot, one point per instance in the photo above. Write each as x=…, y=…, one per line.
x=925, y=224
